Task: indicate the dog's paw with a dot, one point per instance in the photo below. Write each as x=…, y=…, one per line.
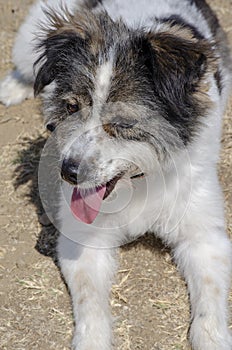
x=14, y=90
x=207, y=335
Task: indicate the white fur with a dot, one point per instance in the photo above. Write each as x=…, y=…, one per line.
x=182, y=203
x=14, y=90
x=102, y=83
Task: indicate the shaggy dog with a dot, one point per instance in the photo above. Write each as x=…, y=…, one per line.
x=134, y=92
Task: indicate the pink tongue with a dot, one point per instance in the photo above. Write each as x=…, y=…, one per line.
x=85, y=206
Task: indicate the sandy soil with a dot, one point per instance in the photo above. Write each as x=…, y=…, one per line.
x=149, y=298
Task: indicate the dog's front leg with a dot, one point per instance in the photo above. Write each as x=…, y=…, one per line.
x=205, y=260
x=88, y=273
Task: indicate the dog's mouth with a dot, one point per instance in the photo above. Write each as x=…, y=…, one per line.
x=110, y=185
x=86, y=204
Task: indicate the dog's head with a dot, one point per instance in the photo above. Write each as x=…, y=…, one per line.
x=121, y=99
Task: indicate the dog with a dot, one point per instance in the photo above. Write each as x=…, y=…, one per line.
x=134, y=93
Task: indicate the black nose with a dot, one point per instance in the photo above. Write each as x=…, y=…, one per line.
x=51, y=127
x=69, y=171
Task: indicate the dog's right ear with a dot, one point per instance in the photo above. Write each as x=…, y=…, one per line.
x=56, y=50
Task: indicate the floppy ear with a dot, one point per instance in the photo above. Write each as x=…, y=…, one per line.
x=180, y=63
x=57, y=49
x=181, y=58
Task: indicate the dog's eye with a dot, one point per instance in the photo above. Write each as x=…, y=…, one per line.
x=72, y=108
x=123, y=122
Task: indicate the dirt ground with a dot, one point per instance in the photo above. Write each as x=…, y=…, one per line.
x=149, y=298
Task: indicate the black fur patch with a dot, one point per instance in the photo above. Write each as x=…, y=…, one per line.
x=62, y=55
x=178, y=20
x=178, y=67
x=218, y=78
x=208, y=14
x=163, y=72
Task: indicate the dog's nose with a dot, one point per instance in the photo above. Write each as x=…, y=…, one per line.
x=69, y=171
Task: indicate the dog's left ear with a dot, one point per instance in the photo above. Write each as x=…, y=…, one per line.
x=180, y=64
x=57, y=50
